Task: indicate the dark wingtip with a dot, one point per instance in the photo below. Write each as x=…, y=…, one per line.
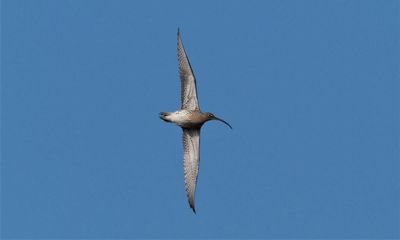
x=191, y=205
x=194, y=210
x=179, y=32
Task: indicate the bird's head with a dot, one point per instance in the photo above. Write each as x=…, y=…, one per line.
x=211, y=116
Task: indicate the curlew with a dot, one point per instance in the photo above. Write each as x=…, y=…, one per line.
x=190, y=119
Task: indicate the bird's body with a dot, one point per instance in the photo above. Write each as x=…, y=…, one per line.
x=191, y=119
x=186, y=118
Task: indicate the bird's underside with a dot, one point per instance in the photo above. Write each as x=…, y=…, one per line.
x=191, y=136
x=191, y=147
x=190, y=118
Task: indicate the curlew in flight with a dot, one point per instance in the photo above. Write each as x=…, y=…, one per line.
x=191, y=119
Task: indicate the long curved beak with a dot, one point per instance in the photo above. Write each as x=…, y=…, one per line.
x=221, y=120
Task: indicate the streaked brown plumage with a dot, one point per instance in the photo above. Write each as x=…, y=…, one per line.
x=191, y=119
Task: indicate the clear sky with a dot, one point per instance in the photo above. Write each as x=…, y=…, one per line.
x=311, y=89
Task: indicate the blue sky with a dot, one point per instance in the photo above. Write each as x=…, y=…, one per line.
x=311, y=89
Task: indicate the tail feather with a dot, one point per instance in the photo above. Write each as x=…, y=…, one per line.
x=163, y=116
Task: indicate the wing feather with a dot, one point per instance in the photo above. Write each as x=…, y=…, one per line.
x=188, y=80
x=191, y=159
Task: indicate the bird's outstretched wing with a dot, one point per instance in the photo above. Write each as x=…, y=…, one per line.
x=188, y=80
x=191, y=159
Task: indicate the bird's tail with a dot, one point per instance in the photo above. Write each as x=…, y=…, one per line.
x=164, y=115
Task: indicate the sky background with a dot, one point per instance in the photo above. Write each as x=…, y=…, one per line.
x=311, y=89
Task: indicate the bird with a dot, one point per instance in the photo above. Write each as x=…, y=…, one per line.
x=190, y=118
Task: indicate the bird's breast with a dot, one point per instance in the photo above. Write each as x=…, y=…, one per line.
x=187, y=119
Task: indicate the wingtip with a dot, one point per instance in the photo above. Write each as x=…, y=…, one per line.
x=191, y=205
x=194, y=210
x=179, y=32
